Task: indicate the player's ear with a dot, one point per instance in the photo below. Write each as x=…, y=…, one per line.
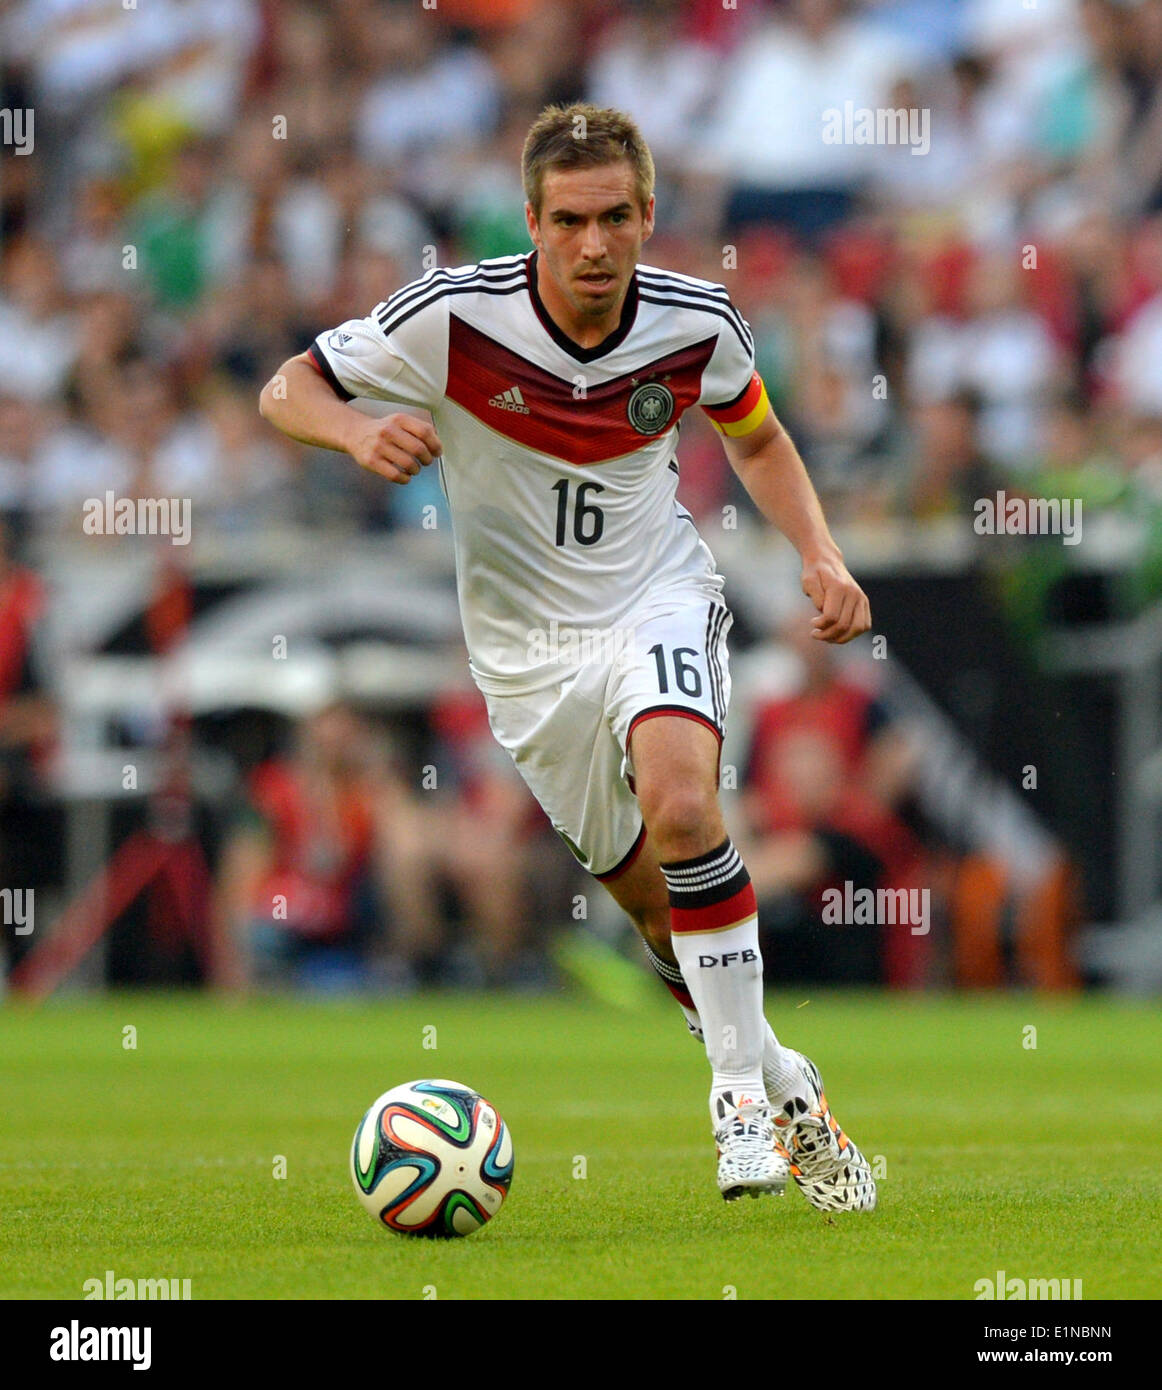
x=648, y=220
x=531, y=223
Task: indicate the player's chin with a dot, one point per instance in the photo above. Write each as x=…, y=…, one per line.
x=599, y=293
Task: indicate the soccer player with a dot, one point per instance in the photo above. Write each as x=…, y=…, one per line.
x=593, y=613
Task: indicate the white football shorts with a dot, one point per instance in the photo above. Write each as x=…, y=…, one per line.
x=569, y=740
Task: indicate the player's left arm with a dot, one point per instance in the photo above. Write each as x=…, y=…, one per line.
x=763, y=455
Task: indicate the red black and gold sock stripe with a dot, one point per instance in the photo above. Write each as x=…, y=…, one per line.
x=710, y=893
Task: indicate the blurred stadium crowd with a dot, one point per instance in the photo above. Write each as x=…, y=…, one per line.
x=213, y=182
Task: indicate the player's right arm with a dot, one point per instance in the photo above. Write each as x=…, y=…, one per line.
x=397, y=353
x=300, y=401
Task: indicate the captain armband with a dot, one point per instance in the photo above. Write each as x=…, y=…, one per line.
x=744, y=414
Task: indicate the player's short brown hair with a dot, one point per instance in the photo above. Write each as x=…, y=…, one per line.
x=584, y=136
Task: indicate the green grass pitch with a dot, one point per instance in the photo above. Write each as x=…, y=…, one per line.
x=158, y=1161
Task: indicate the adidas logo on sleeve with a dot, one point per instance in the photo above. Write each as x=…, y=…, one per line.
x=510, y=400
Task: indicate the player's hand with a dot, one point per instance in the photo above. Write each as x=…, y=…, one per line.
x=396, y=446
x=844, y=611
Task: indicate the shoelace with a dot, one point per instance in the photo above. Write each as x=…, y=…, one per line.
x=755, y=1125
x=816, y=1146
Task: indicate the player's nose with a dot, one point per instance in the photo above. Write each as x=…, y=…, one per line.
x=593, y=242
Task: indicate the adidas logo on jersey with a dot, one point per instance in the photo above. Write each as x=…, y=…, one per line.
x=510, y=400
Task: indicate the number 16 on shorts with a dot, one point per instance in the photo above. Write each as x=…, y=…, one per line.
x=679, y=665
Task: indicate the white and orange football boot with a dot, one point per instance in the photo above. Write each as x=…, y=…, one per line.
x=829, y=1168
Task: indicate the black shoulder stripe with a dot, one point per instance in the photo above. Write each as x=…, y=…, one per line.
x=409, y=293
x=441, y=280
x=474, y=288
x=388, y=313
x=665, y=277
x=685, y=282
x=667, y=285
x=457, y=273
x=743, y=337
x=388, y=321
x=693, y=292
x=719, y=293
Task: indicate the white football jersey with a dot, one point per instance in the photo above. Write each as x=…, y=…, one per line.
x=559, y=461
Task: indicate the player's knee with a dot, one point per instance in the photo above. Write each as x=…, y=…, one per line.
x=679, y=820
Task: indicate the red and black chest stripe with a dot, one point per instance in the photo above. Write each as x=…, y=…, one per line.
x=581, y=422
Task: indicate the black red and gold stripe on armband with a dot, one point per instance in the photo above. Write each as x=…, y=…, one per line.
x=745, y=413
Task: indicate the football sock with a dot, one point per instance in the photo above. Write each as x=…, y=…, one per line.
x=675, y=982
x=782, y=1075
x=714, y=930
